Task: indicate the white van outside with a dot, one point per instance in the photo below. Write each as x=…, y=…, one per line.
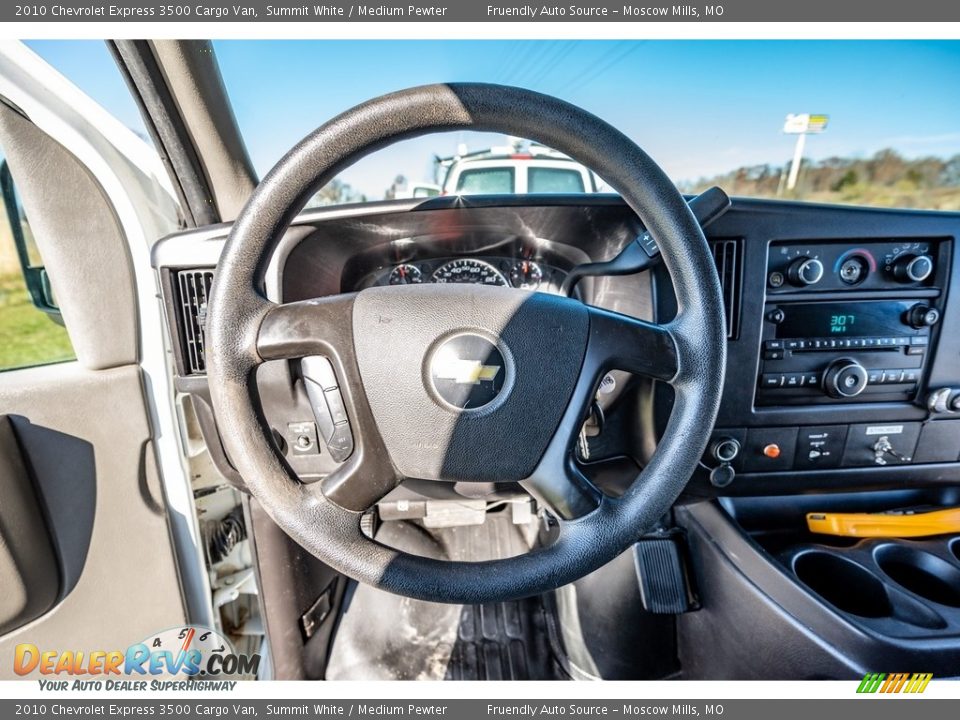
x=498, y=171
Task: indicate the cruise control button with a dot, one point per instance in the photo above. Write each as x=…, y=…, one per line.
x=319, y=370
x=320, y=410
x=340, y=444
x=328, y=408
x=338, y=412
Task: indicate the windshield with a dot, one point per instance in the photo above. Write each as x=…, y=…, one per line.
x=876, y=121
x=855, y=122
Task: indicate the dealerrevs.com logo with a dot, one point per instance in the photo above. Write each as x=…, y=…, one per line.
x=171, y=659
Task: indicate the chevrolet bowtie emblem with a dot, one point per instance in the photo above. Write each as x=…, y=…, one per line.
x=464, y=372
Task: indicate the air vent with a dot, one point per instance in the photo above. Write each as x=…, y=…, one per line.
x=726, y=255
x=193, y=287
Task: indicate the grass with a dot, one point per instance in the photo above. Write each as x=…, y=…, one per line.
x=889, y=197
x=27, y=336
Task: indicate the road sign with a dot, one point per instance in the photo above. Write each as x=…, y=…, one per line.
x=805, y=123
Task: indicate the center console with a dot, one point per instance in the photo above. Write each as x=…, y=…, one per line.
x=818, y=606
x=828, y=337
x=844, y=325
x=841, y=394
x=843, y=365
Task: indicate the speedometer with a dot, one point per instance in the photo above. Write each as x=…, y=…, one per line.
x=474, y=272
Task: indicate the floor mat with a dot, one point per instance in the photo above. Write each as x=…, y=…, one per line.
x=504, y=641
x=381, y=636
x=387, y=637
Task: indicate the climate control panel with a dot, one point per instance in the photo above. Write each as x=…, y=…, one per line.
x=824, y=266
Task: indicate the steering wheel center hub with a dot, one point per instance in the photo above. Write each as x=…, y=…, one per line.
x=469, y=372
x=467, y=382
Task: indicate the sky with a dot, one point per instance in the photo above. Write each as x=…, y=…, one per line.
x=699, y=108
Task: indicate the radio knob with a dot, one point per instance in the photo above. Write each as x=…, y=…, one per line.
x=845, y=378
x=805, y=271
x=921, y=316
x=913, y=268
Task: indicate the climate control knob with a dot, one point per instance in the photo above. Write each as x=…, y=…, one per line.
x=913, y=268
x=845, y=378
x=805, y=271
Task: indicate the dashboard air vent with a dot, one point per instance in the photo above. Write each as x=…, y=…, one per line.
x=726, y=255
x=193, y=289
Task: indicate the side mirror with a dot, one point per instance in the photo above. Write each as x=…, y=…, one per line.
x=34, y=274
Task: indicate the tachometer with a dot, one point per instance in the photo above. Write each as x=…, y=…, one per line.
x=474, y=272
x=406, y=275
x=526, y=274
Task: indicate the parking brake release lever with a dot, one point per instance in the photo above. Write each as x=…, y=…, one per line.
x=643, y=252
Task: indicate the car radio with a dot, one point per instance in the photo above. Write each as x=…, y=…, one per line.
x=826, y=352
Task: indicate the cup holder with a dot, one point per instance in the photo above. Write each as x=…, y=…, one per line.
x=922, y=573
x=844, y=584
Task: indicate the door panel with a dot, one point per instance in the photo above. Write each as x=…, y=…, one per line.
x=28, y=566
x=64, y=474
x=126, y=586
x=90, y=435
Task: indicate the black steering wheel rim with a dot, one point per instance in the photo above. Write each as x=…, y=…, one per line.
x=239, y=316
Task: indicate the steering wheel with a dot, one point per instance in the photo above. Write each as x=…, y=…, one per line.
x=462, y=382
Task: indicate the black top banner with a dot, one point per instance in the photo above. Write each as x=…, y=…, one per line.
x=641, y=11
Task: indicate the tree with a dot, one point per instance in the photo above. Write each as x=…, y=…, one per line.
x=335, y=192
x=399, y=183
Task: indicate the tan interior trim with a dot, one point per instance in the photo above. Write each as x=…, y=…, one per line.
x=81, y=242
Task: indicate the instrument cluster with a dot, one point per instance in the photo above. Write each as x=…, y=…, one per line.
x=496, y=271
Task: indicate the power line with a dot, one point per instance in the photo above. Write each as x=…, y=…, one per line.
x=610, y=59
x=554, y=60
x=541, y=49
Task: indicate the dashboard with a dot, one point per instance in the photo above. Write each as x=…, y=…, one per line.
x=843, y=367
